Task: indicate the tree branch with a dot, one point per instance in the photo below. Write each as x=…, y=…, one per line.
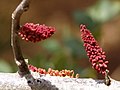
x=22, y=66
x=12, y=81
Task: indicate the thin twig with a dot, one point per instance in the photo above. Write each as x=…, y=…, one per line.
x=19, y=59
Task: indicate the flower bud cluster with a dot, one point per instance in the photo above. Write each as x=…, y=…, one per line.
x=51, y=72
x=96, y=55
x=35, y=32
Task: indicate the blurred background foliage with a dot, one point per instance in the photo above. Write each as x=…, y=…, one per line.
x=64, y=50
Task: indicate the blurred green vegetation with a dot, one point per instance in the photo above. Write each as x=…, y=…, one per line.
x=65, y=50
x=4, y=66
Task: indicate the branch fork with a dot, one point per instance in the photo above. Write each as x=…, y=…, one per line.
x=22, y=63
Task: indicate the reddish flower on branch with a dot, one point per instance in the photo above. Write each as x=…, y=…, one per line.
x=52, y=72
x=35, y=32
x=94, y=52
x=32, y=68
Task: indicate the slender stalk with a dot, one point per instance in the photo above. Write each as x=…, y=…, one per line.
x=19, y=59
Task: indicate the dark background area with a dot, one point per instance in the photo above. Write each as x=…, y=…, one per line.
x=64, y=50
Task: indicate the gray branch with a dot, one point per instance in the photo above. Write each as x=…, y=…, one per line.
x=12, y=81
x=22, y=66
x=34, y=81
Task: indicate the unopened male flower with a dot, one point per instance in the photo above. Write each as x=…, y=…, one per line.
x=32, y=68
x=35, y=32
x=52, y=72
x=95, y=53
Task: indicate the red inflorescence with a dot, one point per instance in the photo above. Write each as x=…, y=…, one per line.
x=35, y=32
x=52, y=72
x=96, y=55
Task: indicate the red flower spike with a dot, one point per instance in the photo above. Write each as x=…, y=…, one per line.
x=94, y=52
x=35, y=32
x=52, y=72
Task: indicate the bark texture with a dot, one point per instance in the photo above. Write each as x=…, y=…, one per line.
x=13, y=81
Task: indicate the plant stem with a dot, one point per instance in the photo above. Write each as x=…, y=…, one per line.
x=19, y=59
